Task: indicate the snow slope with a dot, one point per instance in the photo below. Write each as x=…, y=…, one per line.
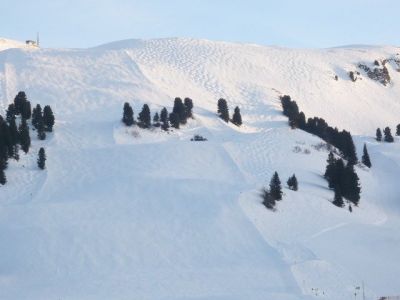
x=131, y=214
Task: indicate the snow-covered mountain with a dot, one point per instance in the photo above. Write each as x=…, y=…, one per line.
x=126, y=213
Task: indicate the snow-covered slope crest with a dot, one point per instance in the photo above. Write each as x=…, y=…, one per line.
x=11, y=44
x=125, y=213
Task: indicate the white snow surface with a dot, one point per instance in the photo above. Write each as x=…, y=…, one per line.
x=126, y=213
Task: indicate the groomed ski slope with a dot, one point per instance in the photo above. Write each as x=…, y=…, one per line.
x=131, y=214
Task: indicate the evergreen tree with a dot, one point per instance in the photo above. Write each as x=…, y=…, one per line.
x=24, y=137
x=268, y=200
x=275, y=188
x=378, y=135
x=164, y=119
x=174, y=120
x=10, y=112
x=188, y=107
x=365, y=158
x=156, y=120
x=350, y=187
x=223, y=110
x=398, y=129
x=338, y=199
x=144, y=118
x=41, y=134
x=26, y=110
x=388, y=135
x=19, y=101
x=127, y=115
x=41, y=161
x=180, y=109
x=237, y=118
x=292, y=183
x=48, y=118
x=3, y=179
x=37, y=115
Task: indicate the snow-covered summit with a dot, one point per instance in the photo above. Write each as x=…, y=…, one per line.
x=125, y=213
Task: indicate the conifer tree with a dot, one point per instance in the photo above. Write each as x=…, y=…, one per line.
x=24, y=137
x=365, y=158
x=188, y=107
x=48, y=118
x=144, y=118
x=350, y=187
x=156, y=120
x=268, y=200
x=10, y=112
x=180, y=109
x=3, y=179
x=41, y=134
x=26, y=110
x=237, y=118
x=275, y=188
x=19, y=101
x=398, y=129
x=164, y=119
x=223, y=110
x=388, y=135
x=174, y=120
x=378, y=135
x=41, y=161
x=37, y=115
x=292, y=183
x=338, y=199
x=127, y=115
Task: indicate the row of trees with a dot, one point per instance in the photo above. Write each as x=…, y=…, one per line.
x=181, y=111
x=342, y=140
x=343, y=179
x=274, y=193
x=387, y=134
x=223, y=113
x=13, y=136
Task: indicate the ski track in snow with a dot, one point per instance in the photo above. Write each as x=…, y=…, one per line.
x=124, y=213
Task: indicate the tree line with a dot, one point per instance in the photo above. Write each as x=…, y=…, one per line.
x=15, y=133
x=181, y=112
x=223, y=113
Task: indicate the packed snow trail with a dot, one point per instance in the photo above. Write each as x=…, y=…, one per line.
x=127, y=213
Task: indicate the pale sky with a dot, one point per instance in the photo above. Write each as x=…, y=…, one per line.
x=289, y=23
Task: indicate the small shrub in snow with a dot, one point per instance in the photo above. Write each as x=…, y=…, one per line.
x=292, y=183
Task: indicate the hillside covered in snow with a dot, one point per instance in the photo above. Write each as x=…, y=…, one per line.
x=128, y=213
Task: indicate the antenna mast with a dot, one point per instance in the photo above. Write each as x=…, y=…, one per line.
x=37, y=39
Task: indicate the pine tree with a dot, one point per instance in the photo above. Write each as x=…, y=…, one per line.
x=398, y=129
x=19, y=101
x=41, y=161
x=3, y=179
x=41, y=134
x=26, y=110
x=156, y=120
x=48, y=118
x=188, y=107
x=350, y=187
x=338, y=199
x=10, y=112
x=24, y=137
x=127, y=115
x=275, y=188
x=292, y=183
x=37, y=115
x=174, y=120
x=237, y=118
x=164, y=119
x=388, y=135
x=223, y=110
x=268, y=200
x=144, y=118
x=180, y=109
x=378, y=135
x=365, y=158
